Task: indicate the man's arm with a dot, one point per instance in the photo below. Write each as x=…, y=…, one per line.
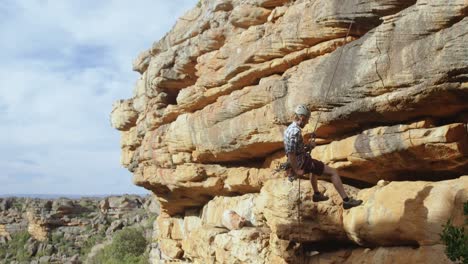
x=293, y=160
x=291, y=149
x=310, y=146
x=311, y=143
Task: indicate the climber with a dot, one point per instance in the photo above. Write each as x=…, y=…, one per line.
x=302, y=163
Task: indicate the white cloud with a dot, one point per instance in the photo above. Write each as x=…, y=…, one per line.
x=63, y=65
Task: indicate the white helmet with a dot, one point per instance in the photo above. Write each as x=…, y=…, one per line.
x=302, y=110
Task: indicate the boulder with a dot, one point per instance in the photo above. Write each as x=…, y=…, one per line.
x=406, y=213
x=232, y=221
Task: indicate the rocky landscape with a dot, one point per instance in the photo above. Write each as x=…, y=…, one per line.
x=387, y=83
x=68, y=230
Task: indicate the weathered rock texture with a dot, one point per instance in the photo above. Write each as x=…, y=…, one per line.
x=61, y=229
x=389, y=101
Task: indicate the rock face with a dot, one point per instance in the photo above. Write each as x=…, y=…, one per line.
x=204, y=128
x=232, y=220
x=64, y=230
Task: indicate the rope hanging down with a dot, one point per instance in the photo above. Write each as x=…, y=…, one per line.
x=299, y=200
x=333, y=75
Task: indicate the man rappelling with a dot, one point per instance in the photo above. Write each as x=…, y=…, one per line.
x=302, y=163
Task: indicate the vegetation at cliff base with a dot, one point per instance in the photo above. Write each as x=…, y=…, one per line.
x=91, y=242
x=128, y=246
x=15, y=248
x=456, y=240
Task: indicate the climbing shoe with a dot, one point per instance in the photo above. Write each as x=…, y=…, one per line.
x=319, y=197
x=351, y=202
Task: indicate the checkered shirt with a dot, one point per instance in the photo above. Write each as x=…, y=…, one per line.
x=293, y=142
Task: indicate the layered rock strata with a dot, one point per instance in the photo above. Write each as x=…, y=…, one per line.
x=64, y=230
x=387, y=83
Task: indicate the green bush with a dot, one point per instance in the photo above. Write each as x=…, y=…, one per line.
x=57, y=238
x=129, y=241
x=127, y=247
x=91, y=242
x=88, y=204
x=17, y=205
x=16, y=246
x=456, y=240
x=63, y=245
x=150, y=221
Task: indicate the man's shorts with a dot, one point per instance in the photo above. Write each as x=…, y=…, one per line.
x=313, y=166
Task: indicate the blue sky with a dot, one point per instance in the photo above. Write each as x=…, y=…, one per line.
x=62, y=65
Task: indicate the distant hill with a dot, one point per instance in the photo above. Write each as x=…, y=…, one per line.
x=55, y=196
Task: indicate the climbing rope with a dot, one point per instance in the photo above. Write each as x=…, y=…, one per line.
x=333, y=75
x=299, y=219
x=299, y=200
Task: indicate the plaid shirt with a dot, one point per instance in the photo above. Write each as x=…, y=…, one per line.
x=293, y=142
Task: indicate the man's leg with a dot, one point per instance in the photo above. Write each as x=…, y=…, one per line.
x=310, y=168
x=313, y=181
x=336, y=180
x=317, y=197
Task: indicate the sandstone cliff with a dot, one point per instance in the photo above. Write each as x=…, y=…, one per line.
x=203, y=130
